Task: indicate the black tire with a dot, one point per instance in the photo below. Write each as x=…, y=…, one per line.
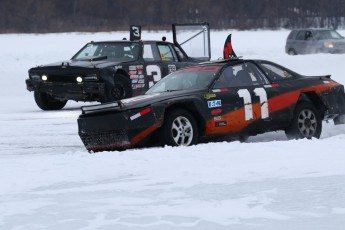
x=306, y=123
x=47, y=102
x=292, y=52
x=179, y=129
x=119, y=89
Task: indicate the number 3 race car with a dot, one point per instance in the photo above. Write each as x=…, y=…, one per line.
x=113, y=70
x=229, y=97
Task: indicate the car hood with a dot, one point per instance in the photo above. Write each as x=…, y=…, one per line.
x=140, y=101
x=78, y=64
x=336, y=41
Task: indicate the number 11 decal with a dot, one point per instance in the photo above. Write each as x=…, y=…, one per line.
x=248, y=107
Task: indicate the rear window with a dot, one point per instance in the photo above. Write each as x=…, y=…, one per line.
x=274, y=73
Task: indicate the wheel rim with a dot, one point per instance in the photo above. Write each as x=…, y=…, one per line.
x=307, y=123
x=182, y=131
x=118, y=92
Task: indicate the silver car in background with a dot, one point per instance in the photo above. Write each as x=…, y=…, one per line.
x=309, y=41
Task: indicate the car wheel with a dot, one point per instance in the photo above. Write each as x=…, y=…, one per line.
x=47, y=102
x=180, y=129
x=306, y=123
x=292, y=52
x=119, y=89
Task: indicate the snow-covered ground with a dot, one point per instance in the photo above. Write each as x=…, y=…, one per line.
x=49, y=181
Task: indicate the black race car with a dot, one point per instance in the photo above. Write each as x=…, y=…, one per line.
x=112, y=70
x=229, y=97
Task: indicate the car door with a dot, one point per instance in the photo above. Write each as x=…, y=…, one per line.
x=282, y=93
x=160, y=59
x=170, y=61
x=305, y=42
x=240, y=100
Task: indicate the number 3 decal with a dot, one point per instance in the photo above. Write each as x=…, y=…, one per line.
x=248, y=107
x=156, y=73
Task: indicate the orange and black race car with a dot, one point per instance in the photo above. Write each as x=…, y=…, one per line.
x=229, y=97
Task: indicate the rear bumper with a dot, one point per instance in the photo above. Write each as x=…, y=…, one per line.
x=69, y=91
x=334, y=100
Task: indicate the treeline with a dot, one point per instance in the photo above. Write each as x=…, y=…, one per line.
x=41, y=16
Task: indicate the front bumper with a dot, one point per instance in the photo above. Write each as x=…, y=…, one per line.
x=116, y=128
x=86, y=91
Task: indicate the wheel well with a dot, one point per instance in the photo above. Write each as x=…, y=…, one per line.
x=191, y=108
x=122, y=72
x=315, y=100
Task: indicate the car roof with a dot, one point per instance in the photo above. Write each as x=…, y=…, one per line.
x=313, y=29
x=128, y=41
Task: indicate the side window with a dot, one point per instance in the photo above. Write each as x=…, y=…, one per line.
x=246, y=74
x=166, y=53
x=148, y=53
x=275, y=73
x=300, y=35
x=308, y=35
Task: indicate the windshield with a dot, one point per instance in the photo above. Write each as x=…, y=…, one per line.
x=326, y=34
x=192, y=78
x=117, y=51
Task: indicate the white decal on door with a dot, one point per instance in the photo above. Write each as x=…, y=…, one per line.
x=248, y=107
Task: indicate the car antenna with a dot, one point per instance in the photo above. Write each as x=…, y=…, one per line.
x=164, y=38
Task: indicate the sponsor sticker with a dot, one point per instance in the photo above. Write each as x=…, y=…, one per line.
x=132, y=72
x=217, y=118
x=214, y=103
x=141, y=81
x=220, y=90
x=221, y=123
x=216, y=112
x=141, y=113
x=133, y=76
x=209, y=95
x=132, y=67
x=171, y=68
x=137, y=86
x=134, y=81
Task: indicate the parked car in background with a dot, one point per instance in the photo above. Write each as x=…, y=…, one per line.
x=309, y=41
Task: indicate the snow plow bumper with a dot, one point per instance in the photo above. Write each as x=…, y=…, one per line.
x=107, y=127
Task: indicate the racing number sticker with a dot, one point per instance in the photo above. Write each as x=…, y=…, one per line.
x=136, y=31
x=155, y=72
x=248, y=107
